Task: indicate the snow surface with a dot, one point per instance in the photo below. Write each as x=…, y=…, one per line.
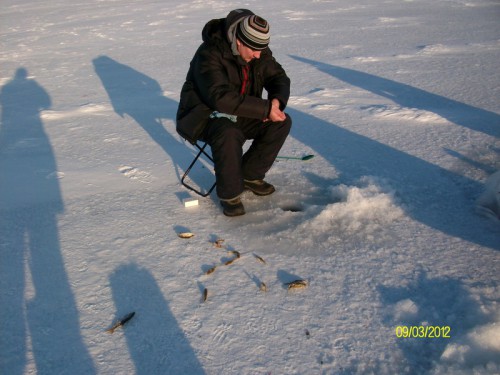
x=394, y=222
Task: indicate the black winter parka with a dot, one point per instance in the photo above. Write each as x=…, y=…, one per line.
x=215, y=78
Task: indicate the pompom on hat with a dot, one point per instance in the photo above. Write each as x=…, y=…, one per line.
x=253, y=31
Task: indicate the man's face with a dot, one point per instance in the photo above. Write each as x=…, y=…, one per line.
x=247, y=53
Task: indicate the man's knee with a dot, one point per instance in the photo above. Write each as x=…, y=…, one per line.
x=222, y=131
x=283, y=128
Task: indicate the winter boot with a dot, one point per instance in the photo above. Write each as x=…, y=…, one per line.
x=232, y=207
x=259, y=187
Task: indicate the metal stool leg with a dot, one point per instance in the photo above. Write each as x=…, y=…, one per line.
x=201, y=151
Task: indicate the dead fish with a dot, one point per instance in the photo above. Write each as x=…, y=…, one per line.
x=236, y=253
x=230, y=261
x=296, y=284
x=121, y=323
x=205, y=294
x=263, y=287
x=218, y=243
x=260, y=259
x=185, y=234
x=211, y=270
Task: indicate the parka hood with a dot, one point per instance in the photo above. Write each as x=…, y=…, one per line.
x=216, y=30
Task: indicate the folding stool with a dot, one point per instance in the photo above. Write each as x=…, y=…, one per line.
x=200, y=152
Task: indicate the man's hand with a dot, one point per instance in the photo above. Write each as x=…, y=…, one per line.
x=276, y=115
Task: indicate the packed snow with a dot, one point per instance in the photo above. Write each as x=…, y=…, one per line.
x=394, y=225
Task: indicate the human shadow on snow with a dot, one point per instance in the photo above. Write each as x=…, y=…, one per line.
x=156, y=343
x=42, y=312
x=141, y=97
x=436, y=197
x=411, y=97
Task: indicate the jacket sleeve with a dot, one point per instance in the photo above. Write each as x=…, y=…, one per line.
x=220, y=91
x=276, y=82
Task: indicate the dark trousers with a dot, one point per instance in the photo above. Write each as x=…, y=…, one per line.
x=226, y=139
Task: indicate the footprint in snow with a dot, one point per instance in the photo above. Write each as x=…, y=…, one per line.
x=136, y=174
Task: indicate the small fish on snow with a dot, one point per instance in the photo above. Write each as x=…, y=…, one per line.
x=121, y=322
x=263, y=287
x=296, y=284
x=211, y=270
x=260, y=259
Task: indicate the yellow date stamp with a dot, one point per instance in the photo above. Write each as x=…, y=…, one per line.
x=423, y=332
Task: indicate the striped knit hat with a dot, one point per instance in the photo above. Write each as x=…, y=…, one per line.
x=253, y=31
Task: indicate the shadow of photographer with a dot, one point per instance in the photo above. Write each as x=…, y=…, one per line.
x=37, y=304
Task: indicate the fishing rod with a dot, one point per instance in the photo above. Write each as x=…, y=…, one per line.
x=306, y=157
